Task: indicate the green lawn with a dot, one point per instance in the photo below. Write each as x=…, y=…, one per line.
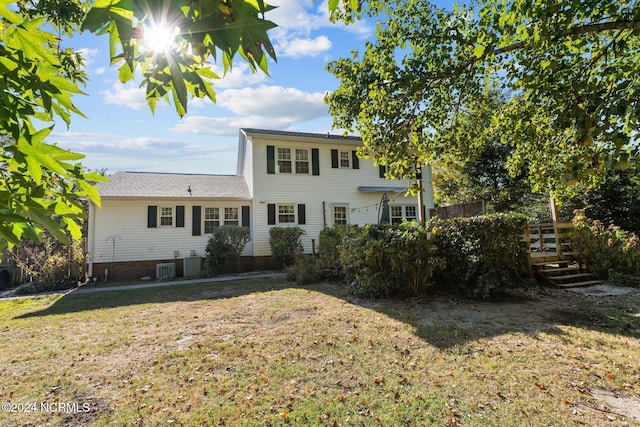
x=264, y=352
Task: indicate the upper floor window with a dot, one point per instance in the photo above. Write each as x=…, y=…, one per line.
x=345, y=159
x=284, y=160
x=166, y=216
x=287, y=163
x=301, y=161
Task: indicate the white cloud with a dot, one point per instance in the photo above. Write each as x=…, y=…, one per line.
x=223, y=126
x=303, y=47
x=89, y=55
x=274, y=102
x=125, y=95
x=301, y=17
x=271, y=107
x=100, y=71
x=119, y=147
x=240, y=75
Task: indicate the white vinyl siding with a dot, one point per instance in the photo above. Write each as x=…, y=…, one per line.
x=128, y=219
x=332, y=187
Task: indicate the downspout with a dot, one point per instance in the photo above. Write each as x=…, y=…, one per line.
x=91, y=238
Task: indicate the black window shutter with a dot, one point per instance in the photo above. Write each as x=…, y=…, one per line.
x=381, y=170
x=179, y=216
x=271, y=159
x=315, y=162
x=419, y=174
x=354, y=160
x=271, y=214
x=197, y=219
x=152, y=216
x=245, y=216
x=334, y=159
x=302, y=218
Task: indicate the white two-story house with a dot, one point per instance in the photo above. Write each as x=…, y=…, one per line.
x=158, y=224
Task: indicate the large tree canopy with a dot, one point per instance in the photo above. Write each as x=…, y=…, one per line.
x=41, y=185
x=573, y=68
x=475, y=165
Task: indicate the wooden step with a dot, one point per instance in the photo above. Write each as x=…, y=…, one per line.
x=553, y=270
x=551, y=263
x=578, y=284
x=566, y=277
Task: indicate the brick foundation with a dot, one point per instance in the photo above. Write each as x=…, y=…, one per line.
x=135, y=270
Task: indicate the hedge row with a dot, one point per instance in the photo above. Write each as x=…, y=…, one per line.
x=478, y=256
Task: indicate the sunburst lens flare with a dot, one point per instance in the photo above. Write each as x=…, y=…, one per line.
x=160, y=38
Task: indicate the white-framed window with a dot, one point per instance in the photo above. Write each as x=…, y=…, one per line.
x=302, y=161
x=231, y=216
x=400, y=212
x=284, y=160
x=410, y=213
x=340, y=214
x=286, y=214
x=211, y=219
x=166, y=216
x=294, y=160
x=345, y=159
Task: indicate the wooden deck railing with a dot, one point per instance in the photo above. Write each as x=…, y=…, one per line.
x=550, y=239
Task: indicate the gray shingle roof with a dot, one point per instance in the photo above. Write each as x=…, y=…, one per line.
x=303, y=134
x=175, y=185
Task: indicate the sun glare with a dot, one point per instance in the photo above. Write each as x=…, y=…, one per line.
x=160, y=38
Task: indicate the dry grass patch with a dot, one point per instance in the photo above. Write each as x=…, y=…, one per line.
x=264, y=353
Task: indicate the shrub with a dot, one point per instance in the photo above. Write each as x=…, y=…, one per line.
x=48, y=265
x=608, y=252
x=483, y=254
x=388, y=260
x=329, y=248
x=285, y=243
x=38, y=288
x=305, y=269
x=224, y=247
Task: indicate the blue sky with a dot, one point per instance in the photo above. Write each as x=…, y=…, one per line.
x=121, y=134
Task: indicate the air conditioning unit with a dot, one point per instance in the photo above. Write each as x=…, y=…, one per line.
x=192, y=266
x=166, y=270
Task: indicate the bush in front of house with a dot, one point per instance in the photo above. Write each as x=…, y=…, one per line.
x=329, y=251
x=326, y=264
x=380, y=261
x=483, y=255
x=608, y=252
x=224, y=248
x=285, y=244
x=48, y=265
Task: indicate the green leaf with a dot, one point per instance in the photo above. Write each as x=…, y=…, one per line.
x=478, y=51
